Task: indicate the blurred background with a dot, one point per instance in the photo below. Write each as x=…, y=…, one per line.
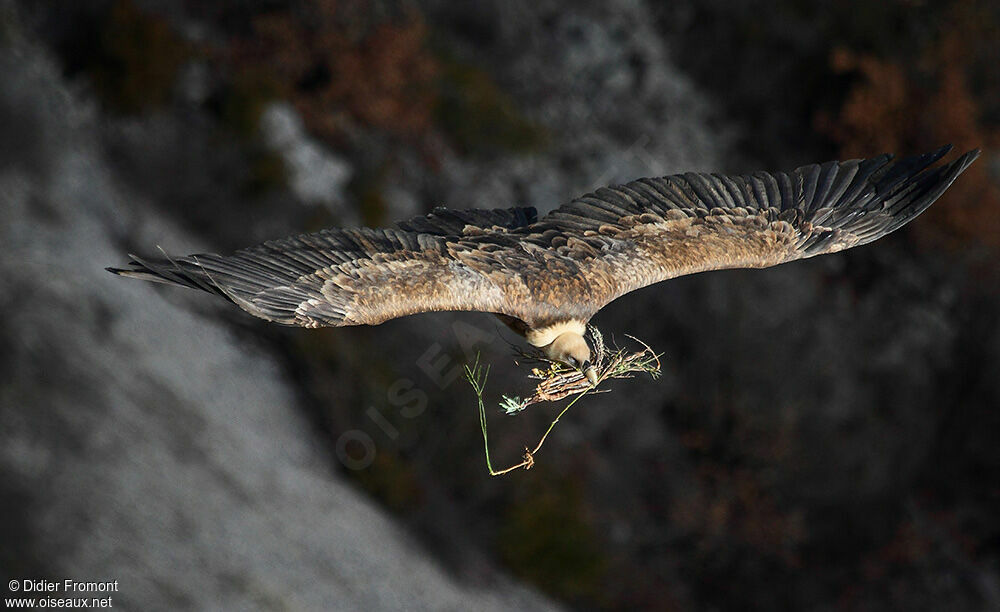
x=824, y=435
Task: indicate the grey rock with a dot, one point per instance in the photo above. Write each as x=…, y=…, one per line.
x=147, y=444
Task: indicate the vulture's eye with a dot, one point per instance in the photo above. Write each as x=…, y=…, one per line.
x=573, y=362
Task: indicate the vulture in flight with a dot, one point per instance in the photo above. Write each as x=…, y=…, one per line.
x=547, y=277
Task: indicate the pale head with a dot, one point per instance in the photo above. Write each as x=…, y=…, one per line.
x=571, y=349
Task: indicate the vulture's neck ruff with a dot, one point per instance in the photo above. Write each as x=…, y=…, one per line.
x=544, y=336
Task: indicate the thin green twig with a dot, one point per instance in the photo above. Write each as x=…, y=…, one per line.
x=477, y=378
x=559, y=381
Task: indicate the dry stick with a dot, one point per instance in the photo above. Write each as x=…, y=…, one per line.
x=563, y=384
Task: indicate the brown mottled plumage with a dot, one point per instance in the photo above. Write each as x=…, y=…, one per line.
x=541, y=275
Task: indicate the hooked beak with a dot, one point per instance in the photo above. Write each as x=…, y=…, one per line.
x=590, y=373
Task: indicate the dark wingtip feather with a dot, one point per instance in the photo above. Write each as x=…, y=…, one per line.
x=968, y=157
x=167, y=271
x=902, y=191
x=904, y=169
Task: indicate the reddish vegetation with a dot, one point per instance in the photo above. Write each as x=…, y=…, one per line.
x=907, y=107
x=337, y=68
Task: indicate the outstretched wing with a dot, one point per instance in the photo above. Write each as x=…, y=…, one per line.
x=362, y=276
x=575, y=260
x=629, y=236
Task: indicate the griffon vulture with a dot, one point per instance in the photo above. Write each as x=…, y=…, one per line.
x=547, y=277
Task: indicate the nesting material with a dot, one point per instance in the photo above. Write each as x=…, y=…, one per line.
x=558, y=381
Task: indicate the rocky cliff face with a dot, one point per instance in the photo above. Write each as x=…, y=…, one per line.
x=146, y=443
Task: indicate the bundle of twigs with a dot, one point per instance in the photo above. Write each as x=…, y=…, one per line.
x=559, y=381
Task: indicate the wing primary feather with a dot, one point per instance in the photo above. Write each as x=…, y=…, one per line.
x=676, y=191
x=843, y=175
x=772, y=193
x=655, y=199
x=724, y=199
x=860, y=181
x=621, y=198
x=904, y=169
x=809, y=177
x=824, y=183
x=787, y=199
x=731, y=184
x=703, y=187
